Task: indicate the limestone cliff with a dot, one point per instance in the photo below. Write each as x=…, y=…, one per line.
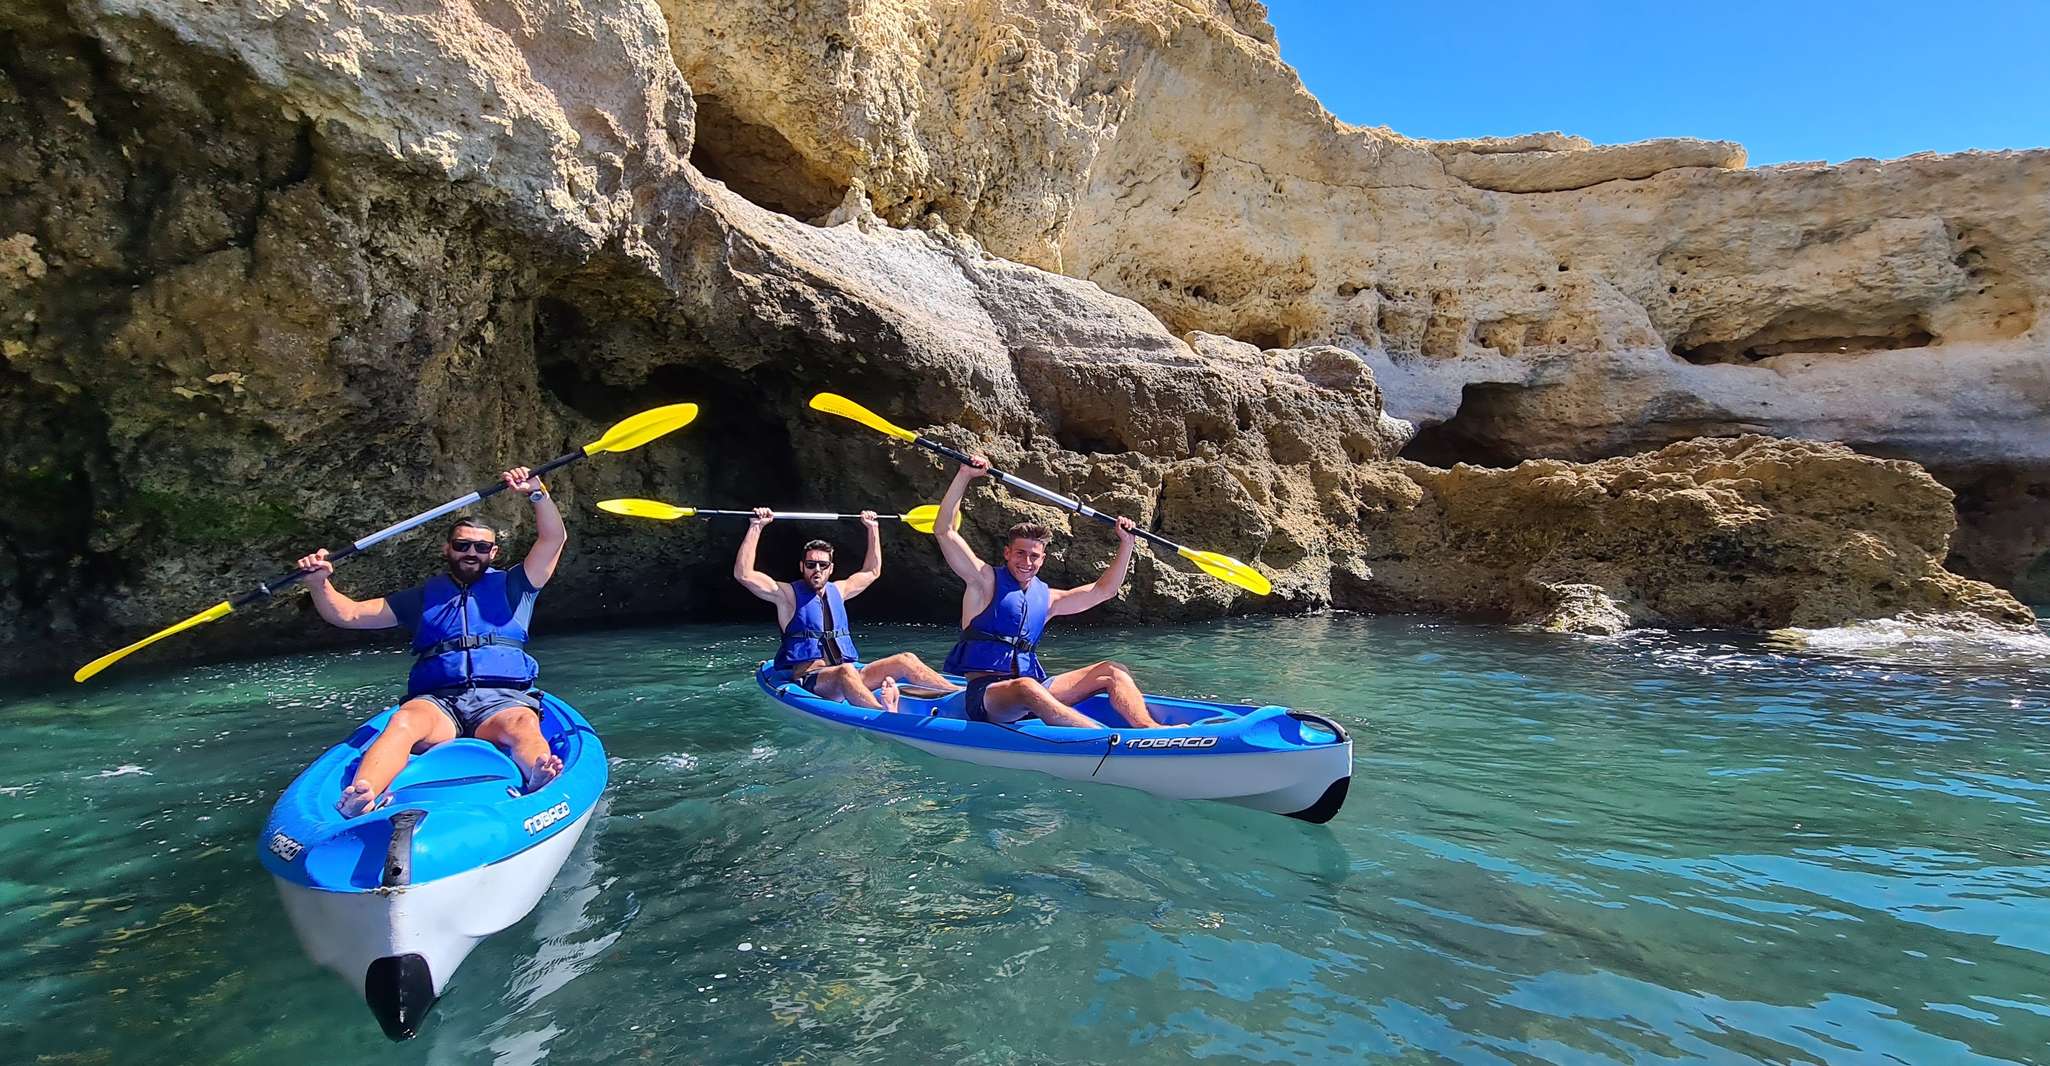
x=1520, y=297
x=1745, y=531
x=272, y=275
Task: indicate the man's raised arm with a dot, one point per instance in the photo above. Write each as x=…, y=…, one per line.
x=1105, y=587
x=871, y=566
x=762, y=585
x=954, y=547
x=550, y=535
x=340, y=610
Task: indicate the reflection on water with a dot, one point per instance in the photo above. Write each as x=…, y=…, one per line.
x=1685, y=846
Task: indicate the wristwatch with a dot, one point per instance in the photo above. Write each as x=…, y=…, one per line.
x=537, y=494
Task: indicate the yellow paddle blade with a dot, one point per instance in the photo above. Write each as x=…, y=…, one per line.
x=1229, y=570
x=846, y=408
x=218, y=610
x=655, y=509
x=627, y=435
x=923, y=519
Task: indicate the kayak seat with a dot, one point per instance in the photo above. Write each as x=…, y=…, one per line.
x=465, y=761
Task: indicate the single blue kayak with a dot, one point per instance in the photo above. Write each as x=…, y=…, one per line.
x=1269, y=758
x=395, y=899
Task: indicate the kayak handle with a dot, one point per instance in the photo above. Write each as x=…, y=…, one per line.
x=1322, y=722
x=398, y=853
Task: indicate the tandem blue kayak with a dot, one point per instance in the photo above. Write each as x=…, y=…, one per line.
x=395, y=899
x=1268, y=758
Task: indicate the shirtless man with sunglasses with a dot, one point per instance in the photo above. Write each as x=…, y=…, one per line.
x=472, y=676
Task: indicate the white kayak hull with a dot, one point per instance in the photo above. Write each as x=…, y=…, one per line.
x=1276, y=783
x=438, y=922
x=393, y=899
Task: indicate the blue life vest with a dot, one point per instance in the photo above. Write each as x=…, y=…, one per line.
x=818, y=630
x=1004, y=638
x=469, y=637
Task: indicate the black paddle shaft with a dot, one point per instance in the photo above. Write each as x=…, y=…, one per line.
x=1066, y=503
x=290, y=577
x=705, y=512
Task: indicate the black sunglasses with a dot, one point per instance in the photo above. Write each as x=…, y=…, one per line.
x=476, y=547
x=817, y=564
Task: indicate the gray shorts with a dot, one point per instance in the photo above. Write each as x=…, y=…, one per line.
x=470, y=708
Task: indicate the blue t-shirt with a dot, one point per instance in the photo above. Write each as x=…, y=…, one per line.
x=519, y=594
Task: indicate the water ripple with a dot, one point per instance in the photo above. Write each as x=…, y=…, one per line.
x=1669, y=846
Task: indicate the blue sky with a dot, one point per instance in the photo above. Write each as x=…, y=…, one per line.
x=1795, y=80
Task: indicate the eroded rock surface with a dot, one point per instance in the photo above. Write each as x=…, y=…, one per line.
x=1536, y=296
x=1513, y=164
x=271, y=277
x=1746, y=531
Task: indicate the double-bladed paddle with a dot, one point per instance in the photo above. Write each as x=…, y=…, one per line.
x=918, y=518
x=1222, y=567
x=622, y=437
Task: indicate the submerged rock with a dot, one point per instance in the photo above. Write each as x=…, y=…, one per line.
x=1579, y=608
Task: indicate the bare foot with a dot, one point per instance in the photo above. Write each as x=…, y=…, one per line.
x=547, y=769
x=356, y=799
x=888, y=694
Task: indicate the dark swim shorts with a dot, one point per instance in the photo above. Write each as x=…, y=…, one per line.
x=470, y=708
x=971, y=699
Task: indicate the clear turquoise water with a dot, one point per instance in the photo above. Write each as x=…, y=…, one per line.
x=1661, y=848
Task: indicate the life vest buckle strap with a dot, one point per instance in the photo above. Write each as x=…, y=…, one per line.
x=1019, y=644
x=466, y=643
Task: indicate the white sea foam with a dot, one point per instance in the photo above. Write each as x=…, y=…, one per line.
x=123, y=771
x=1922, y=640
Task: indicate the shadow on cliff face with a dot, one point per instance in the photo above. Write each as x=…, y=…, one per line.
x=755, y=443
x=1809, y=333
x=105, y=192
x=2003, y=533
x=51, y=444
x=50, y=452
x=1472, y=435
x=759, y=163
